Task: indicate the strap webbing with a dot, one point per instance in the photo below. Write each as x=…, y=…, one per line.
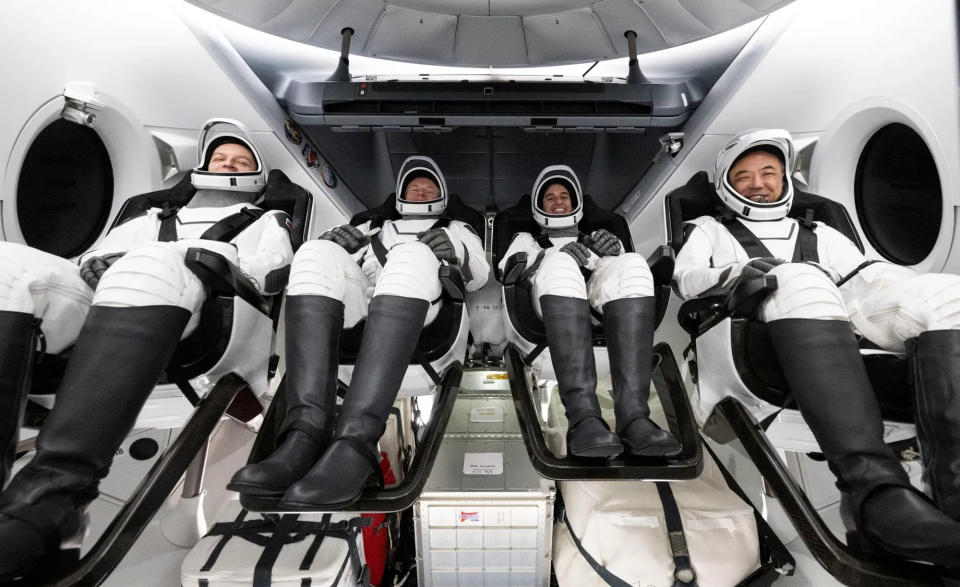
x=805, y=248
x=771, y=548
x=605, y=574
x=168, y=224
x=227, y=229
x=683, y=573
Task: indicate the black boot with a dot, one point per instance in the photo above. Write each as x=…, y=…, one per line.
x=18, y=339
x=936, y=371
x=629, y=324
x=823, y=368
x=353, y=460
x=119, y=356
x=570, y=338
x=313, y=325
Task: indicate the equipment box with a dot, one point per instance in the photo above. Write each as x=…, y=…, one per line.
x=485, y=517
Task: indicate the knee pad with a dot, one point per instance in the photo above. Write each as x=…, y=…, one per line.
x=803, y=291
x=411, y=272
x=559, y=275
x=152, y=275
x=321, y=268
x=623, y=276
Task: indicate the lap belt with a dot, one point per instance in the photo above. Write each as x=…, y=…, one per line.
x=858, y=269
x=273, y=533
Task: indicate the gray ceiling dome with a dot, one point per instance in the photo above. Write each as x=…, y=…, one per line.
x=500, y=33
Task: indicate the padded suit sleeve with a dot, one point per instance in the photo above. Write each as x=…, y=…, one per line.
x=264, y=249
x=127, y=236
x=470, y=254
x=693, y=274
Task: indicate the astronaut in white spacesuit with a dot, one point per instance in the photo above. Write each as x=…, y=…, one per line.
x=620, y=288
x=387, y=273
x=123, y=309
x=827, y=290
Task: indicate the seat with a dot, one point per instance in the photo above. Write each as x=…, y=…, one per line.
x=222, y=368
x=746, y=367
x=742, y=394
x=436, y=371
x=527, y=354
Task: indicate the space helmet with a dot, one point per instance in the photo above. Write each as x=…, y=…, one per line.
x=561, y=174
x=773, y=140
x=220, y=131
x=411, y=169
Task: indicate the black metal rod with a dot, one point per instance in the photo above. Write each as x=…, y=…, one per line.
x=342, y=73
x=634, y=75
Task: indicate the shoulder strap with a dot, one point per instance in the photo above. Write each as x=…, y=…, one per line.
x=683, y=573
x=168, y=223
x=227, y=229
x=605, y=574
x=749, y=241
x=806, y=247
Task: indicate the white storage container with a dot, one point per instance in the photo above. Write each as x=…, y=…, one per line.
x=485, y=517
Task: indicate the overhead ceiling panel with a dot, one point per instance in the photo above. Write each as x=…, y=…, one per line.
x=404, y=33
x=481, y=32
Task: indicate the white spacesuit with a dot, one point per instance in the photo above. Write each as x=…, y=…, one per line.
x=824, y=285
x=386, y=272
x=620, y=288
x=125, y=307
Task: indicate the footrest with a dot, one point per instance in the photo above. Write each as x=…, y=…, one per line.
x=393, y=499
x=666, y=376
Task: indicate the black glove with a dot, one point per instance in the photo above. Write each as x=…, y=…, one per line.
x=759, y=267
x=439, y=242
x=347, y=236
x=93, y=268
x=579, y=252
x=603, y=242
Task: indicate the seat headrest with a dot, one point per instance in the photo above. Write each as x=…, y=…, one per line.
x=699, y=198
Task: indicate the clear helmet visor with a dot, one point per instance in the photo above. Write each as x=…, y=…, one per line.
x=421, y=188
x=557, y=198
x=226, y=138
x=751, y=205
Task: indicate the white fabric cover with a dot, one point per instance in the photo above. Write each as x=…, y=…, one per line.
x=235, y=565
x=621, y=524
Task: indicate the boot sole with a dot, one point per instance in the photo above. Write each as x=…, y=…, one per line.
x=607, y=451
x=651, y=451
x=254, y=489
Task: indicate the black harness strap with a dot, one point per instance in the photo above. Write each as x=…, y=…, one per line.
x=605, y=574
x=805, y=248
x=380, y=251
x=683, y=573
x=227, y=229
x=772, y=549
x=263, y=570
x=215, y=553
x=858, y=269
x=168, y=224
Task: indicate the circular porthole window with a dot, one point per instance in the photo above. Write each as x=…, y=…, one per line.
x=898, y=197
x=65, y=189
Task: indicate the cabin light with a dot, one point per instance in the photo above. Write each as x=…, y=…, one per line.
x=79, y=112
x=672, y=143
